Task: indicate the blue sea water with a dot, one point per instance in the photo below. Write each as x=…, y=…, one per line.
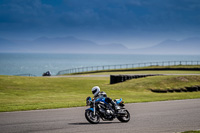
x=37, y=64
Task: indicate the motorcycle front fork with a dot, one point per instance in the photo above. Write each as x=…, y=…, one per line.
x=94, y=108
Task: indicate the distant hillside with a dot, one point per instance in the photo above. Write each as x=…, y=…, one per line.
x=72, y=44
x=186, y=46
x=60, y=45
x=7, y=45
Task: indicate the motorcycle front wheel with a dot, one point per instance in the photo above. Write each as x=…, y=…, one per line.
x=124, y=118
x=94, y=119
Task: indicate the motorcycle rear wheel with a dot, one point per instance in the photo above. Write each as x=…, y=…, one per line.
x=89, y=115
x=125, y=118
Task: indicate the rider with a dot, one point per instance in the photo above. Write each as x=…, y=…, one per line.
x=97, y=94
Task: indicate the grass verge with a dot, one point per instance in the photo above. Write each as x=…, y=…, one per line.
x=191, y=132
x=30, y=93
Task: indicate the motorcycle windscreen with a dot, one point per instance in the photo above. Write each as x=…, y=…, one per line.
x=118, y=101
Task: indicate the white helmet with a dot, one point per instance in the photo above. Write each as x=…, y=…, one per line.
x=95, y=90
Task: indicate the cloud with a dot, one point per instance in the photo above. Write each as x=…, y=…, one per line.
x=108, y=18
x=126, y=14
x=112, y=14
x=22, y=14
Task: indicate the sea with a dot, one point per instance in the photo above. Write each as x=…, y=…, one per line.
x=36, y=63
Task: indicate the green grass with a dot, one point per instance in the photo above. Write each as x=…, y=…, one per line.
x=191, y=132
x=30, y=93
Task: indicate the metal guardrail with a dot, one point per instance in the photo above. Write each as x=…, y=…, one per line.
x=27, y=75
x=126, y=66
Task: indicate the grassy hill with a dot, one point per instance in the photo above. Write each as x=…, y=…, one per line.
x=30, y=93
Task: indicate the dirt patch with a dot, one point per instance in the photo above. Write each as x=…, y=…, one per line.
x=182, y=79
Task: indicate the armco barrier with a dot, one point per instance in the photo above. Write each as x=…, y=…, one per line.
x=26, y=75
x=126, y=66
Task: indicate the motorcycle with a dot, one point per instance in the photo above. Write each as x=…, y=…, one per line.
x=99, y=108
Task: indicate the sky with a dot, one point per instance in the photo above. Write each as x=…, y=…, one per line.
x=133, y=23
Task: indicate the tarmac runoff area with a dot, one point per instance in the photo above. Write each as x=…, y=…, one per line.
x=151, y=117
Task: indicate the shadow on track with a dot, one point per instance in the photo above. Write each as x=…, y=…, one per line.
x=87, y=123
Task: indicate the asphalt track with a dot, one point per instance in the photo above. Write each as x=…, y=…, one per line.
x=152, y=117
